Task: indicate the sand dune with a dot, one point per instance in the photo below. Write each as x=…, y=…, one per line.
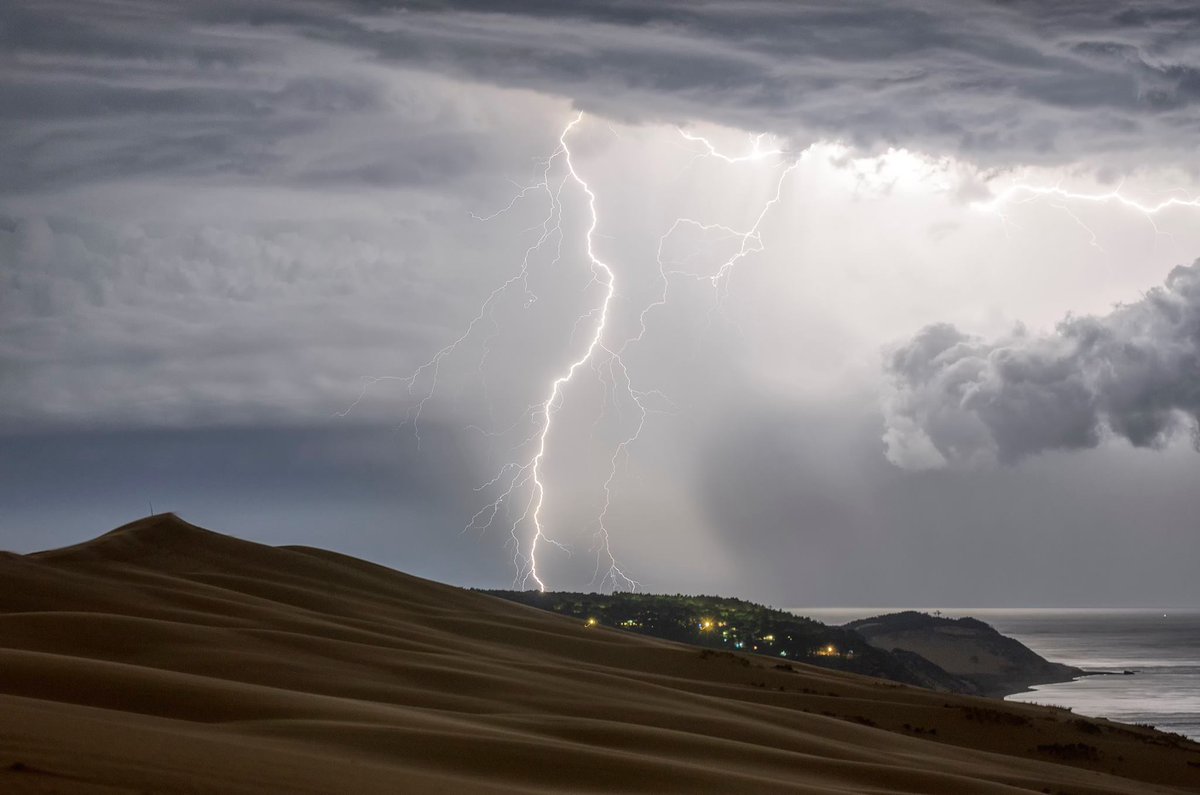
x=164, y=657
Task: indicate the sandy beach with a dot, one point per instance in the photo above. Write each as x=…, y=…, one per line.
x=162, y=657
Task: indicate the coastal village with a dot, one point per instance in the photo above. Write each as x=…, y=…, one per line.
x=716, y=623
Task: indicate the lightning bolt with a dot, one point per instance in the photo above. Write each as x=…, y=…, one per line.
x=520, y=490
x=515, y=477
x=749, y=242
x=1023, y=193
x=609, y=280
x=520, y=486
x=755, y=153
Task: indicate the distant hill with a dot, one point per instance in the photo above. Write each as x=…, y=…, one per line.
x=966, y=648
x=719, y=622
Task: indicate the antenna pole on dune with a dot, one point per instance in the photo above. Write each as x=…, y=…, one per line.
x=151, y=502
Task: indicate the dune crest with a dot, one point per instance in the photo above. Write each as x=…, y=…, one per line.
x=165, y=657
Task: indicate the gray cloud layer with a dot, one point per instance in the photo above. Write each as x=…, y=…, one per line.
x=1135, y=372
x=90, y=91
x=998, y=81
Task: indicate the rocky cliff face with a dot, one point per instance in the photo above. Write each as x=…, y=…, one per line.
x=965, y=647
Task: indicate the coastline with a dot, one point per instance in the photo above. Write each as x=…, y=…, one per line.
x=1159, y=646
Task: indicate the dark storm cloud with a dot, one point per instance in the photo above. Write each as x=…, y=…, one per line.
x=998, y=81
x=91, y=93
x=1134, y=372
x=97, y=90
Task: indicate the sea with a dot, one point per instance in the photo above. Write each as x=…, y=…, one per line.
x=1161, y=647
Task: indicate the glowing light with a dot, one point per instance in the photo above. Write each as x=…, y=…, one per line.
x=520, y=488
x=756, y=152
x=516, y=477
x=1023, y=193
x=556, y=386
x=1011, y=193
x=894, y=169
x=749, y=240
x=591, y=622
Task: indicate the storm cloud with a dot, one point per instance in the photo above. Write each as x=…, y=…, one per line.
x=220, y=220
x=90, y=91
x=1134, y=374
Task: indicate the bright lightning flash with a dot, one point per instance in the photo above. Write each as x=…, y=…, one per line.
x=756, y=152
x=602, y=270
x=515, y=475
x=1023, y=193
x=521, y=484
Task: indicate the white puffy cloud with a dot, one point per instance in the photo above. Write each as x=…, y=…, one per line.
x=1133, y=373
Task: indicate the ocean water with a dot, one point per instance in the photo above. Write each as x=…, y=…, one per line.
x=1162, y=647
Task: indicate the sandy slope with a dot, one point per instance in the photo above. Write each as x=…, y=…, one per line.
x=163, y=657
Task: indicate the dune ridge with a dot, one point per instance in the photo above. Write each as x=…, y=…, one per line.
x=165, y=657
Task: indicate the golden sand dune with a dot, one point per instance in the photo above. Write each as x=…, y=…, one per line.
x=163, y=657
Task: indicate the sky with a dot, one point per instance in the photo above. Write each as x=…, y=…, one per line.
x=810, y=303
